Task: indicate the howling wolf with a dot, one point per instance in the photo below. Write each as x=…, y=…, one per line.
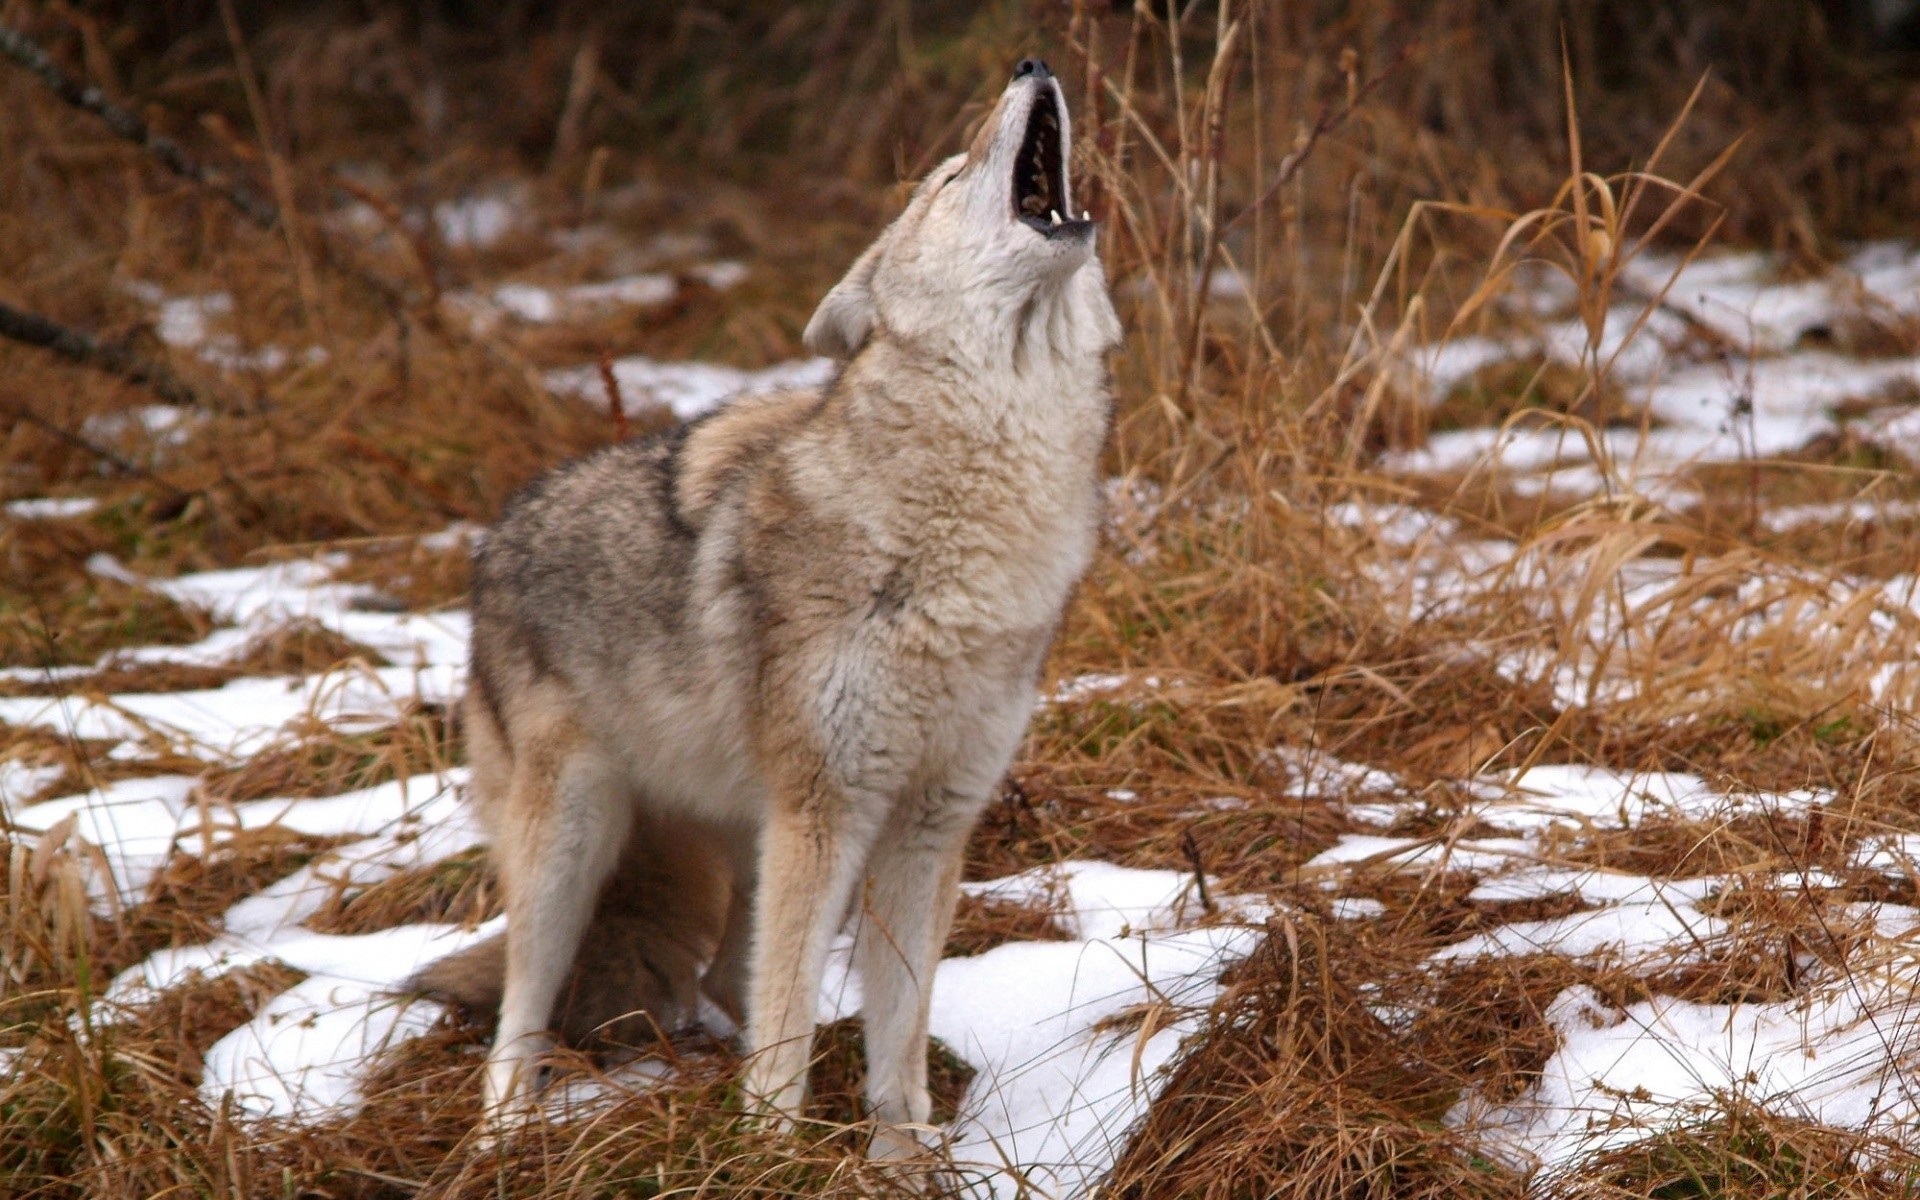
x=739, y=683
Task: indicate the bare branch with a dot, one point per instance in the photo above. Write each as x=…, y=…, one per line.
x=21, y=412
x=78, y=346
x=87, y=98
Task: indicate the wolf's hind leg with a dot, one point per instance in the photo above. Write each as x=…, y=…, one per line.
x=727, y=978
x=811, y=851
x=912, y=884
x=565, y=823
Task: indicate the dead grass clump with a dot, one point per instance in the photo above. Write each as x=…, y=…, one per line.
x=84, y=617
x=1756, y=834
x=1493, y=394
x=1043, y=817
x=116, y=677
x=1672, y=847
x=838, y=1076
x=1296, y=1089
x=1489, y=502
x=1432, y=716
x=981, y=924
x=1874, y=546
x=409, y=573
x=684, y=1135
x=321, y=761
x=1819, y=473
x=184, y=902
x=1483, y=1021
x=299, y=647
x=82, y=764
x=182, y=1024
x=1746, y=1154
x=461, y=889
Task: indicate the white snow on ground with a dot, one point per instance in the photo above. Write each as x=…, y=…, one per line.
x=156, y=425
x=1614, y=608
x=1070, y=1039
x=1898, y=856
x=478, y=221
x=541, y=304
x=1580, y=796
x=1760, y=392
x=51, y=508
x=192, y=322
x=1061, y=1074
x=688, y=388
x=1845, y=1053
x=244, y=717
x=1056, y=1094
x=427, y=653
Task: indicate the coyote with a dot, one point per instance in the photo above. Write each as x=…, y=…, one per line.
x=740, y=682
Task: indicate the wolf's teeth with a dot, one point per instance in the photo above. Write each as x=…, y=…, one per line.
x=1055, y=214
x=1086, y=215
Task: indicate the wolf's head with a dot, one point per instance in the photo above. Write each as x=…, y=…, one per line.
x=989, y=250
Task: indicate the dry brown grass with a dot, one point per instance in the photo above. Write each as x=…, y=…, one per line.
x=407, y=573
x=300, y=647
x=1296, y=1089
x=461, y=889
x=1749, y=1154
x=317, y=760
x=1244, y=418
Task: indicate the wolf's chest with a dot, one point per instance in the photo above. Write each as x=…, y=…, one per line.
x=978, y=570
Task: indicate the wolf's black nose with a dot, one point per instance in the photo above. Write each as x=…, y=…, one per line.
x=1032, y=66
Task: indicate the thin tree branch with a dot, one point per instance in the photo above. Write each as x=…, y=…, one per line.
x=87, y=98
x=260, y=211
x=80, y=347
x=21, y=412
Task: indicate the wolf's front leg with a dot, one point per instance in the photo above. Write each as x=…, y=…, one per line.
x=811, y=852
x=912, y=885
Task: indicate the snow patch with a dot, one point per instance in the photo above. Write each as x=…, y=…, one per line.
x=689, y=389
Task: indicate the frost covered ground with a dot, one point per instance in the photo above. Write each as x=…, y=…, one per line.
x=1736, y=365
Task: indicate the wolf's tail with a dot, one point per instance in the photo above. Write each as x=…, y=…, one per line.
x=637, y=974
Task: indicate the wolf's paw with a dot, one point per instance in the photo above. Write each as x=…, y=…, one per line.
x=914, y=1156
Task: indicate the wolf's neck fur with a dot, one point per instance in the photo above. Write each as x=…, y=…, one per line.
x=1026, y=364
x=990, y=482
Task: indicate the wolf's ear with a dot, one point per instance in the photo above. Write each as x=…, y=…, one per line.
x=845, y=317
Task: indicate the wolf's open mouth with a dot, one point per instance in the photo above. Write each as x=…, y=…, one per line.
x=1040, y=170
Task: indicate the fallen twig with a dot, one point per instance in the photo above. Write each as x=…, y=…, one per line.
x=1192, y=849
x=616, y=404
